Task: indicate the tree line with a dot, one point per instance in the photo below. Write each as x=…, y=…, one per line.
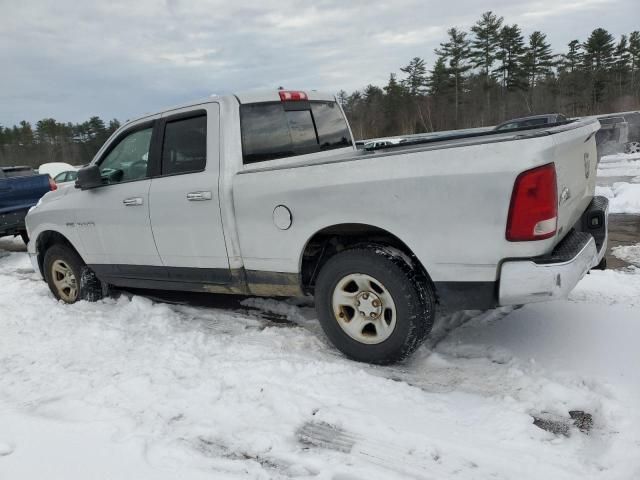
x=493, y=73
x=51, y=141
x=482, y=77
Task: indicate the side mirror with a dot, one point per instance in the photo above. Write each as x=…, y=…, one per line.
x=89, y=177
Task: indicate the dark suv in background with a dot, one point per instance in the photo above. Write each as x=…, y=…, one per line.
x=532, y=121
x=622, y=129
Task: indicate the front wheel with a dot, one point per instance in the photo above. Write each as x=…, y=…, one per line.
x=373, y=305
x=68, y=277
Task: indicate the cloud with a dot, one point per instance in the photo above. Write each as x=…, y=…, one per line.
x=70, y=60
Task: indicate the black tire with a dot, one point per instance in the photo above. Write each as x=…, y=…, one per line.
x=24, y=237
x=88, y=287
x=412, y=294
x=602, y=265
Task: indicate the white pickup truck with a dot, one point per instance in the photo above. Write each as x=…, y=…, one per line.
x=265, y=194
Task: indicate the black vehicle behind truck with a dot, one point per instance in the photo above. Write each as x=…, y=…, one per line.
x=622, y=131
x=20, y=189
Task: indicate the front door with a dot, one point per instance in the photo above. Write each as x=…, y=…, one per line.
x=184, y=198
x=113, y=220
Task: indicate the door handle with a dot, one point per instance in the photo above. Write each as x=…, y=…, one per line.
x=199, y=196
x=132, y=202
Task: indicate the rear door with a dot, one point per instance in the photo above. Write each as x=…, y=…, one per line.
x=185, y=208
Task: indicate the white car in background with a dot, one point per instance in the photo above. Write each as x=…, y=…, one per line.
x=53, y=169
x=68, y=177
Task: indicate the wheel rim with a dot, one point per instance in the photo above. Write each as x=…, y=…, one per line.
x=364, y=308
x=633, y=147
x=64, y=280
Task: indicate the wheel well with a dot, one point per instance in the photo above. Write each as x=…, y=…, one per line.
x=46, y=240
x=331, y=240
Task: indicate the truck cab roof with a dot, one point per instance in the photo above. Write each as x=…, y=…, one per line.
x=248, y=96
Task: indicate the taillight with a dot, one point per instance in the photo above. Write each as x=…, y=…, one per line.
x=52, y=184
x=290, y=95
x=533, y=213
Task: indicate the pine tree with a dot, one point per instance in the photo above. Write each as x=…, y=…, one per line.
x=599, y=49
x=486, y=42
x=439, y=79
x=372, y=124
x=599, y=61
x=416, y=81
x=484, y=49
x=26, y=134
x=456, y=52
x=396, y=107
x=341, y=96
x=113, y=126
x=538, y=61
x=572, y=60
x=372, y=93
x=511, y=57
x=621, y=62
x=571, y=77
x=634, y=59
x=511, y=69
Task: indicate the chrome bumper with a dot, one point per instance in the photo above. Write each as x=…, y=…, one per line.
x=528, y=281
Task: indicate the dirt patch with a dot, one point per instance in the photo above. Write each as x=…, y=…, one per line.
x=623, y=230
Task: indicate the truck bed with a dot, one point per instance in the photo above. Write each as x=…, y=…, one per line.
x=437, y=142
x=446, y=198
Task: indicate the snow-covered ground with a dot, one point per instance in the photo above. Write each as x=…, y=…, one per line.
x=620, y=165
x=628, y=253
x=626, y=168
x=624, y=196
x=128, y=388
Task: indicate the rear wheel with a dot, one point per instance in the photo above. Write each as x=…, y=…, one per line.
x=373, y=305
x=68, y=277
x=632, y=147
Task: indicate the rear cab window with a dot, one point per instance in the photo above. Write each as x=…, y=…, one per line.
x=272, y=130
x=184, y=148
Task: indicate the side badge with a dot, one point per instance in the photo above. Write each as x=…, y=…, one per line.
x=587, y=165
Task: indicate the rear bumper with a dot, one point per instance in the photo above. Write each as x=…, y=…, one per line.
x=553, y=276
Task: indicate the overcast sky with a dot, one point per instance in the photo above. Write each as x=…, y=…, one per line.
x=117, y=59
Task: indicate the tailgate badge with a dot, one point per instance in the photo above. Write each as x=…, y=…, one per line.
x=587, y=165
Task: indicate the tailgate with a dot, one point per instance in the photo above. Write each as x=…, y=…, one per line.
x=575, y=158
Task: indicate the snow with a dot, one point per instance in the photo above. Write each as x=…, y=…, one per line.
x=623, y=197
x=620, y=165
x=619, y=157
x=628, y=253
x=623, y=168
x=133, y=388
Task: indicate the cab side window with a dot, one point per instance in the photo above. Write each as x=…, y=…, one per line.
x=128, y=160
x=184, y=149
